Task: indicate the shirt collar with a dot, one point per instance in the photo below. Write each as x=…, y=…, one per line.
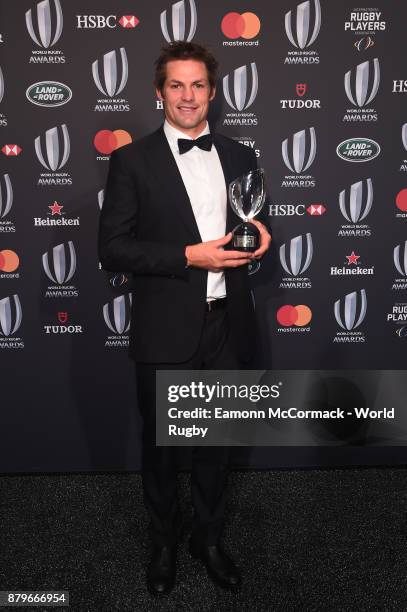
x=173, y=134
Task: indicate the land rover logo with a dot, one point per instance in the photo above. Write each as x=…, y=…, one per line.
x=49, y=93
x=358, y=149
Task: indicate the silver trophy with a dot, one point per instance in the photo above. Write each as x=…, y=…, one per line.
x=246, y=196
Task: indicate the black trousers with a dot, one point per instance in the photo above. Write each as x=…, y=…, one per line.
x=209, y=465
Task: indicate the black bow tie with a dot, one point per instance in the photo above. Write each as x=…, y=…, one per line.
x=203, y=142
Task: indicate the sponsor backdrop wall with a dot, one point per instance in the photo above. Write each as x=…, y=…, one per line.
x=317, y=89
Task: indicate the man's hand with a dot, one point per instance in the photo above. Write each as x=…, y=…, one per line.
x=265, y=239
x=211, y=256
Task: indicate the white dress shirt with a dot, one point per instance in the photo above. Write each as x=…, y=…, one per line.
x=203, y=177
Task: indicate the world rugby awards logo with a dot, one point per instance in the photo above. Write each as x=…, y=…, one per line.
x=10, y=320
x=296, y=258
x=45, y=31
x=60, y=266
x=298, y=153
x=349, y=313
x=403, y=167
x=53, y=156
x=303, y=34
x=112, y=84
x=355, y=204
x=3, y=118
x=178, y=19
x=6, y=202
x=361, y=87
x=400, y=262
x=117, y=316
x=241, y=95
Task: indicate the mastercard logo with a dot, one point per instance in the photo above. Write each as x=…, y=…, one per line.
x=107, y=141
x=294, y=315
x=9, y=261
x=401, y=200
x=246, y=25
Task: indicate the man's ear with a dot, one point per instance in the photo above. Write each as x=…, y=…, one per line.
x=212, y=94
x=159, y=94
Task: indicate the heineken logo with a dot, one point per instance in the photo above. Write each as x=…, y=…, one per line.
x=49, y=93
x=358, y=149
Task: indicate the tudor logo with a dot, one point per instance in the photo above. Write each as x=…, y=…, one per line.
x=48, y=93
x=302, y=37
x=356, y=204
x=400, y=259
x=241, y=100
x=62, y=262
x=178, y=22
x=301, y=89
x=6, y=196
x=62, y=317
x=361, y=85
x=110, y=73
x=117, y=314
x=299, y=257
x=10, y=315
x=350, y=313
x=49, y=28
x=299, y=160
x=55, y=158
x=358, y=149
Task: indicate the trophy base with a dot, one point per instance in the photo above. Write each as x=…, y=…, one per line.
x=246, y=237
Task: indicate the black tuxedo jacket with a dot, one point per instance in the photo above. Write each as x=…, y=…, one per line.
x=145, y=224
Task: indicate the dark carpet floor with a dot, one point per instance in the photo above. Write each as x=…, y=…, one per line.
x=304, y=540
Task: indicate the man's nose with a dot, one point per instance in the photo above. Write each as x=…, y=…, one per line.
x=188, y=93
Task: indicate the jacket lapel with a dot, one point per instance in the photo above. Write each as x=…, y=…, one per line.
x=173, y=188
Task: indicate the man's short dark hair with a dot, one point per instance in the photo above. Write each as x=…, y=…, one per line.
x=184, y=51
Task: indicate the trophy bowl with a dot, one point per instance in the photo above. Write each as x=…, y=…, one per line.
x=246, y=197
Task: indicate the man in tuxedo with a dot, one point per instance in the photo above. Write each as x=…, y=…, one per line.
x=166, y=220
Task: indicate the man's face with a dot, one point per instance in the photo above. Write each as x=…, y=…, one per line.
x=186, y=95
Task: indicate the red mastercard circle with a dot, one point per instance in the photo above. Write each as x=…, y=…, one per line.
x=105, y=142
x=287, y=315
x=233, y=25
x=9, y=261
x=401, y=200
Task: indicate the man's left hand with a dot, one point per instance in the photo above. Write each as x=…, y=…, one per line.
x=265, y=239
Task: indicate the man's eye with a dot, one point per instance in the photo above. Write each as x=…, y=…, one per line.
x=175, y=86
x=199, y=85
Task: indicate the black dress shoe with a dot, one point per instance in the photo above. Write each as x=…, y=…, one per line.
x=161, y=570
x=219, y=566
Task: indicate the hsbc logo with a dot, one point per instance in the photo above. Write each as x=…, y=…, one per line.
x=299, y=152
x=296, y=258
x=399, y=86
x=61, y=265
x=290, y=210
x=11, y=150
x=351, y=310
x=117, y=317
x=92, y=22
x=57, y=148
x=178, y=23
x=240, y=99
